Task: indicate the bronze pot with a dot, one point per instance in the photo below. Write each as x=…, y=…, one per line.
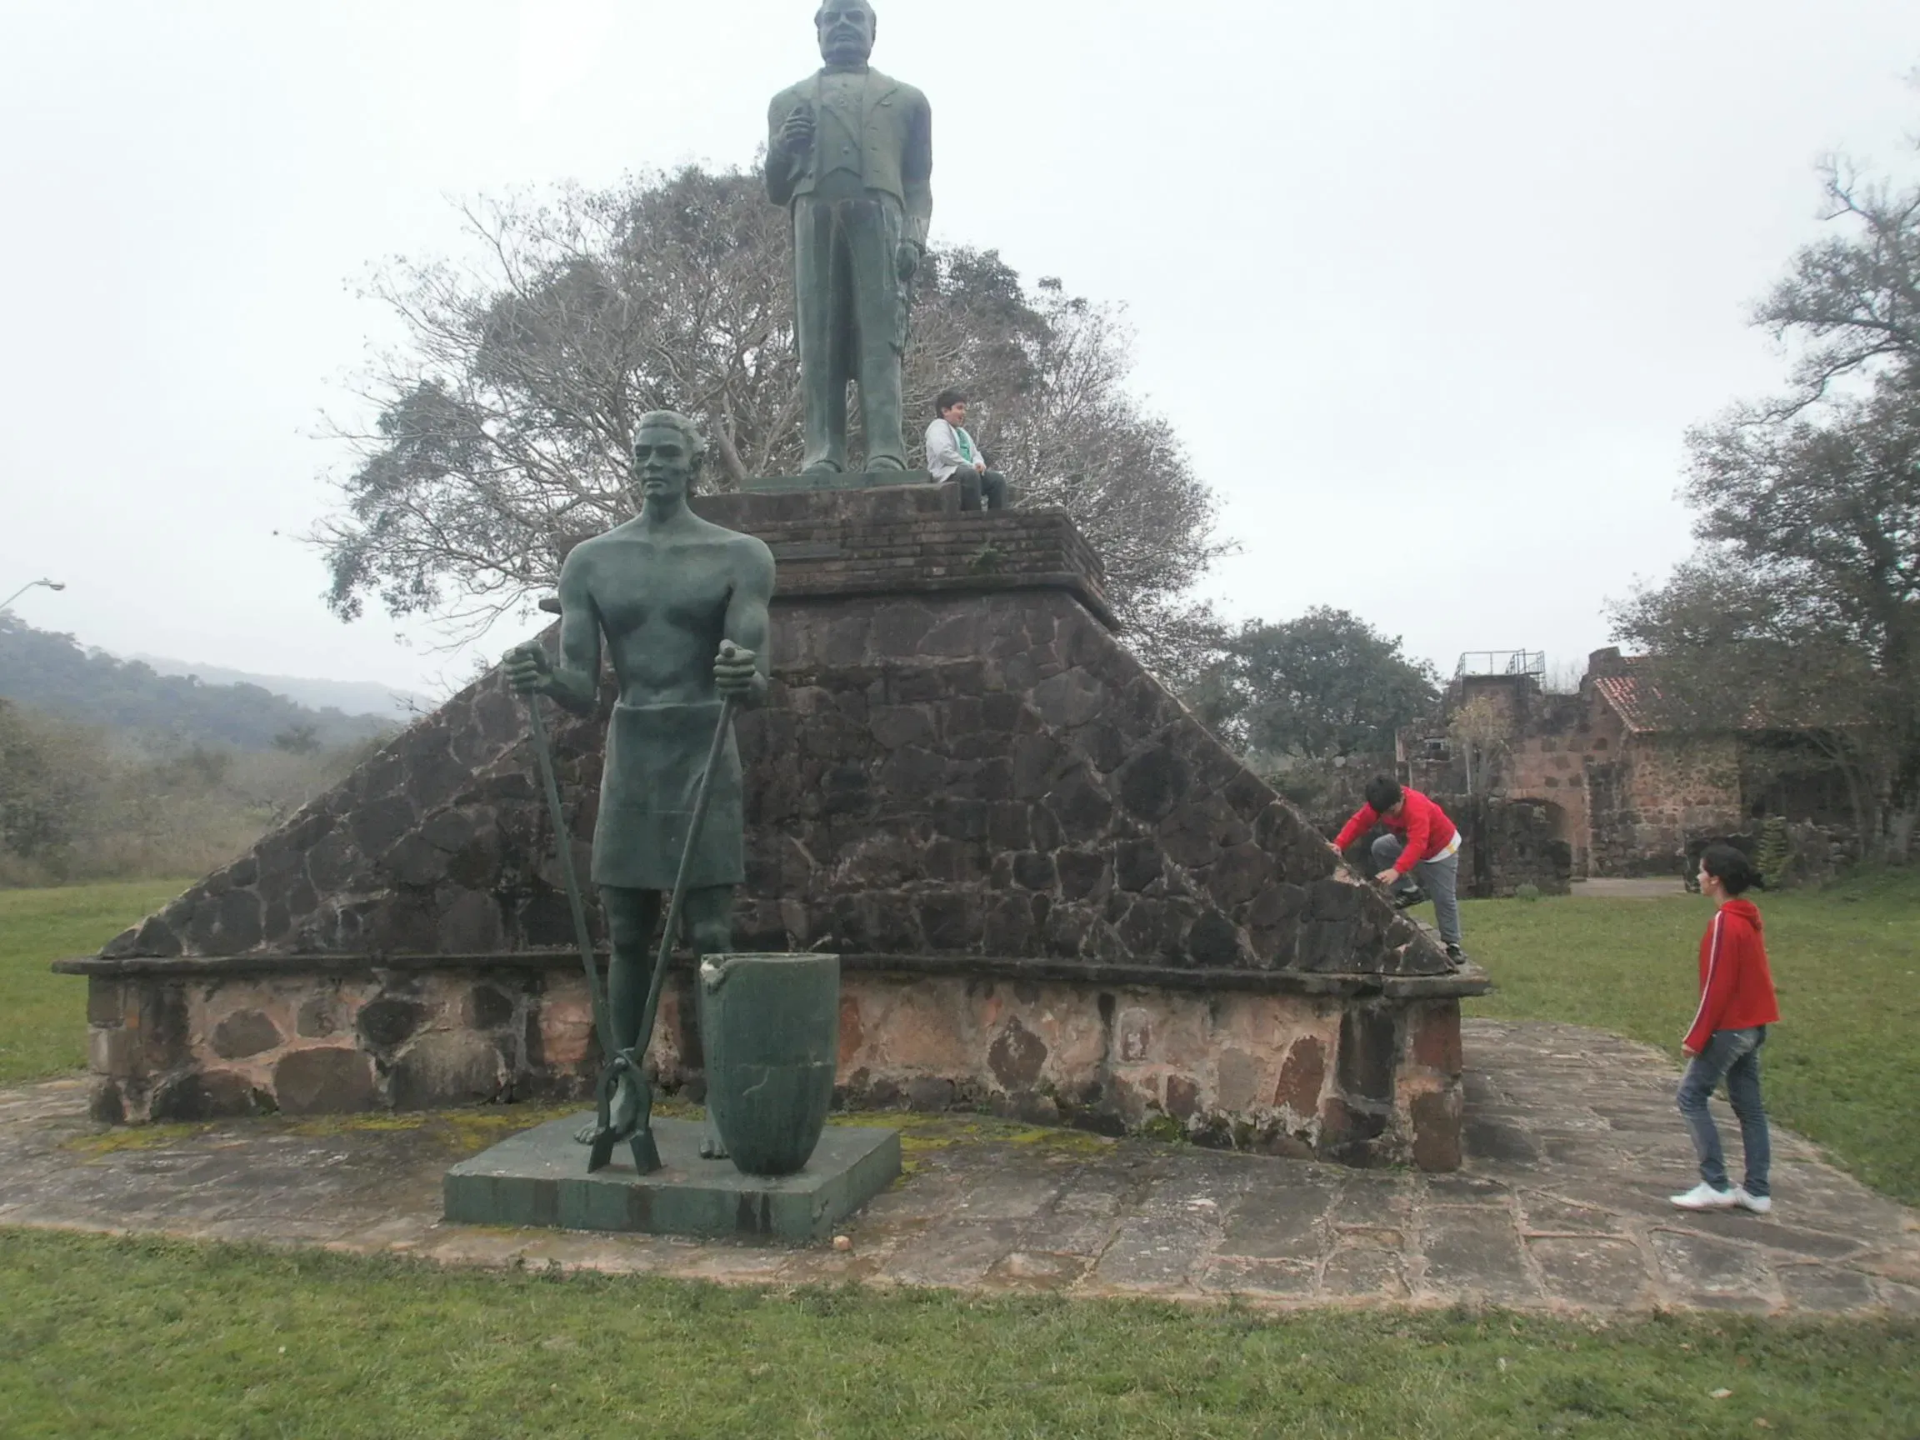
x=770, y=1027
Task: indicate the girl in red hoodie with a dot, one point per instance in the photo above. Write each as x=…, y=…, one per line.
x=1736, y=1007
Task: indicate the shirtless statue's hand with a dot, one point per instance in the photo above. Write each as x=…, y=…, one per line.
x=528, y=669
x=735, y=672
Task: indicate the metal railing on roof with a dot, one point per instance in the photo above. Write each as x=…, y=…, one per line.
x=1502, y=662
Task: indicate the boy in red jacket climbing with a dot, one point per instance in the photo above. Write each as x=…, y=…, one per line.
x=1420, y=840
x=1736, y=1007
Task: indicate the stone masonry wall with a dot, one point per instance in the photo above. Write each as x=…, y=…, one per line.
x=1507, y=843
x=1279, y=1074
x=1547, y=762
x=195, y=1046
x=1292, y=1074
x=985, y=774
x=994, y=775
x=1663, y=790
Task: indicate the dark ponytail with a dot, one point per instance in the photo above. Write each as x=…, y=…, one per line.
x=1730, y=866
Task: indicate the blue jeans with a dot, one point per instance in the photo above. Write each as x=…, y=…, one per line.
x=1733, y=1056
x=1439, y=878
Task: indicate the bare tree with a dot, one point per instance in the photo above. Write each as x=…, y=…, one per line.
x=1480, y=730
x=505, y=416
x=1853, y=298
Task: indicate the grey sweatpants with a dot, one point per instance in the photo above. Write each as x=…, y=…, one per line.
x=1439, y=878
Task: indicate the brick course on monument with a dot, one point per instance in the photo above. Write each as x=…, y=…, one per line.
x=1056, y=893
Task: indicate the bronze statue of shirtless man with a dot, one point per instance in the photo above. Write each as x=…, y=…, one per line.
x=664, y=589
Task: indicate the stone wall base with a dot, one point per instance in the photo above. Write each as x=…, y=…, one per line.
x=1360, y=1078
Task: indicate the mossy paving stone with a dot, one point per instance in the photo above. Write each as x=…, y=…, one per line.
x=1591, y=1271
x=997, y=1205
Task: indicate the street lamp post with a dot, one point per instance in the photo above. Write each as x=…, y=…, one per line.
x=31, y=585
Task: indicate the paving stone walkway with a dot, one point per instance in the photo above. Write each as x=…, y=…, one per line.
x=1647, y=887
x=1572, y=1140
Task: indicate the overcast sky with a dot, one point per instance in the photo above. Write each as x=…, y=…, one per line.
x=1431, y=290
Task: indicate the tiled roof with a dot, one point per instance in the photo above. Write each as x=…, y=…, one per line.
x=1632, y=698
x=1635, y=698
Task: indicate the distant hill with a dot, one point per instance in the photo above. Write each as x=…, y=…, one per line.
x=56, y=675
x=350, y=697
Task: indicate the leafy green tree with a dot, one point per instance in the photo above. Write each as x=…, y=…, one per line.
x=52, y=780
x=54, y=674
x=1322, y=686
x=77, y=803
x=505, y=416
x=298, y=740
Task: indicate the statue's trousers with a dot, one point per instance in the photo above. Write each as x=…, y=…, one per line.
x=852, y=311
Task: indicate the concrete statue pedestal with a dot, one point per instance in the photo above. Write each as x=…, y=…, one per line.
x=539, y=1177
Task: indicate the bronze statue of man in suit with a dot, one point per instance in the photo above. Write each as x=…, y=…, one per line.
x=850, y=152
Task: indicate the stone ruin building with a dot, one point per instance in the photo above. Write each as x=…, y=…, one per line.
x=1055, y=893
x=1593, y=783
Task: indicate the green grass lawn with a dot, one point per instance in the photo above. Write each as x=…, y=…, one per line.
x=114, y=1337
x=43, y=1016
x=1843, y=1065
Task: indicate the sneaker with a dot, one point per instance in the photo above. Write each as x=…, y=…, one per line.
x=1704, y=1197
x=1456, y=957
x=1758, y=1204
x=1407, y=899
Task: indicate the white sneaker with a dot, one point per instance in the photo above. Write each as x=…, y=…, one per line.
x=1704, y=1197
x=1758, y=1204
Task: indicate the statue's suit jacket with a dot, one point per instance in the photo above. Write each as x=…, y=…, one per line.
x=896, y=149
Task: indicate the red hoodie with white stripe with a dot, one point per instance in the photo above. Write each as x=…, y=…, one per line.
x=1736, y=987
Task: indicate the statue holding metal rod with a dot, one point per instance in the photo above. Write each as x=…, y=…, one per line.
x=681, y=606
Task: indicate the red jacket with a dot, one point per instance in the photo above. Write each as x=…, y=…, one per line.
x=1422, y=826
x=1736, y=987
